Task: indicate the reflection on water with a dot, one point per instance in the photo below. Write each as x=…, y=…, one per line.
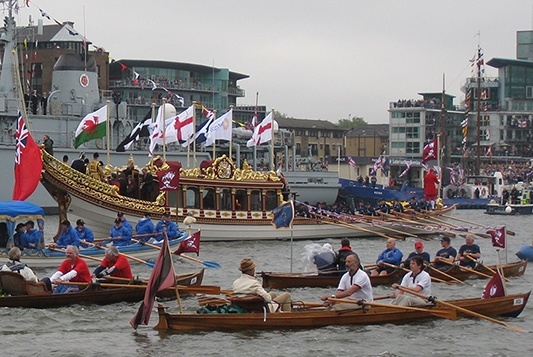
x=96, y=330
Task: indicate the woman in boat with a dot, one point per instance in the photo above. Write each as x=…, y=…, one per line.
x=16, y=266
x=418, y=280
x=247, y=284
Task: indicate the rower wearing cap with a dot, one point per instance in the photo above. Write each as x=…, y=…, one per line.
x=85, y=234
x=419, y=251
x=447, y=253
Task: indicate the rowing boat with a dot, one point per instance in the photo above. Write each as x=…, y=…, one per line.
x=314, y=280
x=21, y=293
x=229, y=204
x=511, y=269
x=511, y=305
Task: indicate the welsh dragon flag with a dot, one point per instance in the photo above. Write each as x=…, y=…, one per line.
x=93, y=126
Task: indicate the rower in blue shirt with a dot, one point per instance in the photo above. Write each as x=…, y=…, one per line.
x=391, y=255
x=85, y=234
x=165, y=224
x=67, y=237
x=32, y=237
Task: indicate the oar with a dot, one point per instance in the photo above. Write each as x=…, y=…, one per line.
x=401, y=217
x=205, y=263
x=512, y=233
x=444, y=313
x=357, y=228
x=468, y=269
x=200, y=289
x=484, y=266
x=445, y=274
x=81, y=255
x=133, y=236
x=150, y=264
x=463, y=310
x=407, y=270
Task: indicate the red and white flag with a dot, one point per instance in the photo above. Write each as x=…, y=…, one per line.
x=262, y=132
x=489, y=151
x=430, y=151
x=494, y=288
x=190, y=245
x=498, y=237
x=28, y=163
x=351, y=161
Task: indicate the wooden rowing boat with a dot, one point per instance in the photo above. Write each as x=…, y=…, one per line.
x=313, y=280
x=229, y=204
x=21, y=293
x=511, y=305
x=511, y=269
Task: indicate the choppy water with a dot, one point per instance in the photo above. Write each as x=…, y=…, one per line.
x=101, y=331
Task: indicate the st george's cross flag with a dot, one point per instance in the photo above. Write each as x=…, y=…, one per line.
x=28, y=163
x=92, y=126
x=262, y=132
x=162, y=277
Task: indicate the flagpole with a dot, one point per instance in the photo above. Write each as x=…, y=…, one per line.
x=231, y=137
x=292, y=231
x=107, y=131
x=272, y=167
x=163, y=106
x=338, y=159
x=194, y=138
x=214, y=141
x=438, y=165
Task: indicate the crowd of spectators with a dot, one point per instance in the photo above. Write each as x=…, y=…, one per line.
x=433, y=103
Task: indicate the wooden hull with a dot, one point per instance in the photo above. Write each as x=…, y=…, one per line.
x=46, y=258
x=300, y=280
x=511, y=269
x=94, y=295
x=511, y=305
x=97, y=203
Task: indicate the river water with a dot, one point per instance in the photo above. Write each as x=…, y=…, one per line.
x=105, y=330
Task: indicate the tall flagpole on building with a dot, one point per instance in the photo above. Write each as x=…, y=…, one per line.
x=214, y=141
x=194, y=137
x=107, y=128
x=272, y=167
x=231, y=137
x=163, y=106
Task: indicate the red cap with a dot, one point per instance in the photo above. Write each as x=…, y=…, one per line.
x=419, y=245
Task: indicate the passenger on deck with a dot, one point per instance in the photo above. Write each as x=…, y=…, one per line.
x=354, y=285
x=17, y=237
x=95, y=168
x=447, y=253
x=247, y=284
x=32, y=237
x=16, y=266
x=469, y=250
x=114, y=264
x=391, y=255
x=166, y=224
x=119, y=235
x=145, y=227
x=79, y=164
x=419, y=252
x=67, y=237
x=417, y=280
x=73, y=269
x=85, y=234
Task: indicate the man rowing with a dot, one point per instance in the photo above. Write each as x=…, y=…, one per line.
x=445, y=256
x=469, y=252
x=114, y=264
x=419, y=251
x=73, y=269
x=354, y=285
x=67, y=237
x=391, y=256
x=417, y=280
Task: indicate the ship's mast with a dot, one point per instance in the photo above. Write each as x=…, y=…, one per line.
x=478, y=117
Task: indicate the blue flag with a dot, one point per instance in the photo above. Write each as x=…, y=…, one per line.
x=283, y=215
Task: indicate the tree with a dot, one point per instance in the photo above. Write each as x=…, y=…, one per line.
x=351, y=123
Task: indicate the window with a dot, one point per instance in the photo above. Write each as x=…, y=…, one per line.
x=529, y=92
x=412, y=148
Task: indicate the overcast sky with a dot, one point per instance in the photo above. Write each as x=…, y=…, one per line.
x=308, y=58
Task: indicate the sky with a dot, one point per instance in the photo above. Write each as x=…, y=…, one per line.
x=308, y=59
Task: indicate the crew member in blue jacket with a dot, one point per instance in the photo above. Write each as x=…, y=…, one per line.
x=85, y=234
x=120, y=235
x=68, y=236
x=391, y=255
x=145, y=227
x=32, y=237
x=165, y=224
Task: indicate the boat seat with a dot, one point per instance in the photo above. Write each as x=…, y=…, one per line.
x=252, y=303
x=15, y=284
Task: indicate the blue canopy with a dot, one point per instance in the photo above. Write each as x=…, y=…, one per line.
x=13, y=211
